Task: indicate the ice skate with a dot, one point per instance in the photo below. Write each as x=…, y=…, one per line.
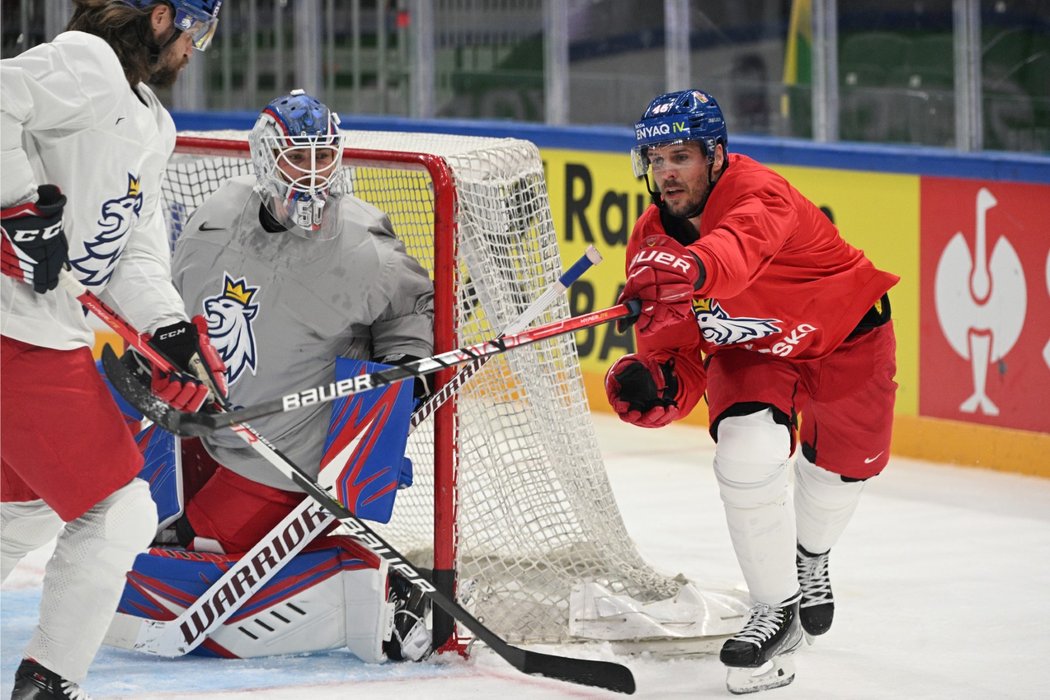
x=759, y=656
x=817, y=608
x=34, y=682
x=411, y=639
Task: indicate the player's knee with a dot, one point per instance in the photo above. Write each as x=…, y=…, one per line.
x=24, y=526
x=818, y=485
x=751, y=459
x=128, y=517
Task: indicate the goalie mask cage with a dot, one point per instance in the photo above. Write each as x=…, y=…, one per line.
x=510, y=503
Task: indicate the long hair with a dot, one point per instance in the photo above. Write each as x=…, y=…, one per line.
x=125, y=28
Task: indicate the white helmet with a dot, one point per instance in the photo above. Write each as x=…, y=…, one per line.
x=297, y=154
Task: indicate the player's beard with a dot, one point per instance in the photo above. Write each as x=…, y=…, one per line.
x=168, y=67
x=690, y=206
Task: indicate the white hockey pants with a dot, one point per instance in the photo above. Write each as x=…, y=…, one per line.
x=85, y=576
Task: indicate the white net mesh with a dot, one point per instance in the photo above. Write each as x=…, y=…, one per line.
x=535, y=510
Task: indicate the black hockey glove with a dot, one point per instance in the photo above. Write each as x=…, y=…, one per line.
x=201, y=370
x=422, y=386
x=34, y=247
x=643, y=391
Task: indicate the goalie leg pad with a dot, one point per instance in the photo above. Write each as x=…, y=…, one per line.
x=331, y=596
x=162, y=470
x=751, y=459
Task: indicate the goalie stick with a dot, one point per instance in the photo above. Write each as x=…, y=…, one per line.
x=301, y=526
x=602, y=674
x=195, y=424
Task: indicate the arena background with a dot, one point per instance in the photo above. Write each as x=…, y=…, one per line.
x=908, y=208
x=920, y=125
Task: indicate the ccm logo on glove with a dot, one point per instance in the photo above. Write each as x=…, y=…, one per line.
x=42, y=234
x=34, y=247
x=169, y=336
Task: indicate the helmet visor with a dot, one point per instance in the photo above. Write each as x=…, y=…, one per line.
x=201, y=29
x=642, y=160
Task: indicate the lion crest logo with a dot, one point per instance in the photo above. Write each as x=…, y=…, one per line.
x=719, y=328
x=102, y=252
x=230, y=315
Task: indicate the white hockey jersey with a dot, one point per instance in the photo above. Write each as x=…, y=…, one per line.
x=68, y=117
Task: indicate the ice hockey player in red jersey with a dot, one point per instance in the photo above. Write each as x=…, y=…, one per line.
x=85, y=144
x=750, y=294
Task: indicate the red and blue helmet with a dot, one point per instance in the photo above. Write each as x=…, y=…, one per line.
x=687, y=115
x=198, y=18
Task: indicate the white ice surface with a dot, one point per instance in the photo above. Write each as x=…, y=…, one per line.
x=942, y=585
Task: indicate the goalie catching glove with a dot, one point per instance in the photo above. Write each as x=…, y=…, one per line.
x=34, y=246
x=201, y=371
x=663, y=275
x=643, y=390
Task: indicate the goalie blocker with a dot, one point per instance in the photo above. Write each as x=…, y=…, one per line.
x=332, y=592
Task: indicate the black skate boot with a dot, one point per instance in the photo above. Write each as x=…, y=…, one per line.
x=34, y=682
x=759, y=656
x=410, y=640
x=817, y=608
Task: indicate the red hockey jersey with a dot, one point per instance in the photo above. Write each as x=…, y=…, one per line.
x=780, y=279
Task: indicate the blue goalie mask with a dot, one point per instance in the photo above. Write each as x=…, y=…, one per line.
x=297, y=155
x=198, y=18
x=688, y=115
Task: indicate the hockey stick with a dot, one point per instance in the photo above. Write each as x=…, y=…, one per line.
x=603, y=674
x=536, y=308
x=194, y=424
x=308, y=520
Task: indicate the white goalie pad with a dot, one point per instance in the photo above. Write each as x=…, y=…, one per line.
x=348, y=610
x=321, y=600
x=597, y=613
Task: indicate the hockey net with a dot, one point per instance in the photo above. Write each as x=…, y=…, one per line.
x=510, y=495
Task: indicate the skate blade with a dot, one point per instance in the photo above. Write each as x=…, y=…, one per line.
x=775, y=673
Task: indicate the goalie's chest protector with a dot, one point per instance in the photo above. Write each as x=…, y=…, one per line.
x=282, y=306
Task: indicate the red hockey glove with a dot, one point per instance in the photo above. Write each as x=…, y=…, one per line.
x=201, y=370
x=643, y=391
x=34, y=246
x=663, y=275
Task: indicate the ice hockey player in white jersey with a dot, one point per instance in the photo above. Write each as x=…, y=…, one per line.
x=291, y=273
x=84, y=147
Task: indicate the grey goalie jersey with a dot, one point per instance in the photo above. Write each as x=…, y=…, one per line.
x=281, y=307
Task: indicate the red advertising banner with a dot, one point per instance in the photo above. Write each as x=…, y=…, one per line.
x=984, y=344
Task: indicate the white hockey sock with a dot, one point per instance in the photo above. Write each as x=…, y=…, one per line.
x=751, y=467
x=824, y=504
x=24, y=526
x=84, y=579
